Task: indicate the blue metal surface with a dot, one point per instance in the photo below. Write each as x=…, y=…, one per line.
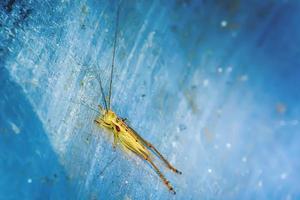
x=214, y=85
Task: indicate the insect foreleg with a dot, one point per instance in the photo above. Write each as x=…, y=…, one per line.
x=115, y=141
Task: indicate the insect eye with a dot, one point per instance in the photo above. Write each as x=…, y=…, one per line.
x=118, y=128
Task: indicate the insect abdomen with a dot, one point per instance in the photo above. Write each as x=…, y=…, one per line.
x=132, y=143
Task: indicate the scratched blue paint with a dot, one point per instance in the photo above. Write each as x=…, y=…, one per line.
x=214, y=85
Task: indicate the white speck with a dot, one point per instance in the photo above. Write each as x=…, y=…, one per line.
x=282, y=123
x=34, y=81
x=229, y=69
x=220, y=69
x=260, y=183
x=205, y=82
x=174, y=144
x=126, y=182
x=228, y=145
x=294, y=122
x=15, y=128
x=29, y=180
x=150, y=39
x=224, y=23
x=244, y=159
x=283, y=176
x=9, y=49
x=209, y=170
x=244, y=78
x=106, y=30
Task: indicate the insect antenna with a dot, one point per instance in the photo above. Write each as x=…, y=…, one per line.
x=101, y=88
x=86, y=105
x=97, y=77
x=113, y=55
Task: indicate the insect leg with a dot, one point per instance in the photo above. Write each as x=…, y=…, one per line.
x=162, y=158
x=156, y=152
x=97, y=122
x=115, y=141
x=163, y=178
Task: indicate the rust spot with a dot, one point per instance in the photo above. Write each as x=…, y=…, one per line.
x=281, y=108
x=118, y=128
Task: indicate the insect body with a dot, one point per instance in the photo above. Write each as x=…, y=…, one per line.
x=127, y=138
x=130, y=140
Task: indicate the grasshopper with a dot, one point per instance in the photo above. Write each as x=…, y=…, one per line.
x=123, y=135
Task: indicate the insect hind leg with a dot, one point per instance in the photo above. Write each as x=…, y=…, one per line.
x=163, y=158
x=163, y=178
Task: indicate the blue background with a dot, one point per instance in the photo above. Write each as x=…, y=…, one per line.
x=214, y=85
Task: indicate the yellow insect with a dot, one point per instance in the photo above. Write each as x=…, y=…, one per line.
x=127, y=138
